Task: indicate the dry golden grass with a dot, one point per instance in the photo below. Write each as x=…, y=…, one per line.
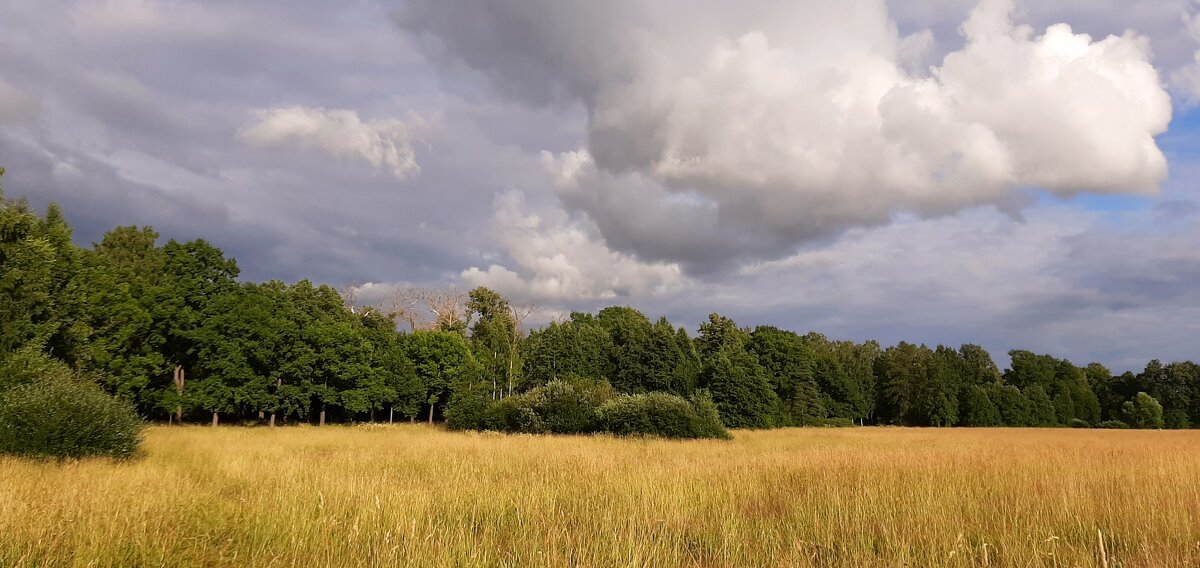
x=417, y=496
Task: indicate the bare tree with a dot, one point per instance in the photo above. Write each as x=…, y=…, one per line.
x=405, y=305
x=428, y=308
x=449, y=307
x=349, y=292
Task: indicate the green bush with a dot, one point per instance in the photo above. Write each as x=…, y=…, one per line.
x=1077, y=423
x=563, y=406
x=1113, y=425
x=29, y=365
x=67, y=418
x=660, y=414
x=708, y=419
x=515, y=414
x=570, y=406
x=578, y=406
x=468, y=410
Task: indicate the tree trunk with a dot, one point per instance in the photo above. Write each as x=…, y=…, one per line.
x=372, y=415
x=322, y=423
x=215, y=418
x=179, y=391
x=412, y=419
x=391, y=413
x=431, y=415
x=261, y=416
x=278, y=383
x=510, y=370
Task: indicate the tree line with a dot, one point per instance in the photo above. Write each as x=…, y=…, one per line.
x=171, y=329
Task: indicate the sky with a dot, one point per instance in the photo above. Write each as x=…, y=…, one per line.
x=1011, y=173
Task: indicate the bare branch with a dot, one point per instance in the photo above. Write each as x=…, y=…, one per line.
x=349, y=292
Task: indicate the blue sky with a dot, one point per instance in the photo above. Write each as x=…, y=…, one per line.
x=932, y=170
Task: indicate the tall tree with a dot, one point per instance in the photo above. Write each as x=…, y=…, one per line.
x=441, y=359
x=494, y=339
x=790, y=364
x=732, y=374
x=574, y=348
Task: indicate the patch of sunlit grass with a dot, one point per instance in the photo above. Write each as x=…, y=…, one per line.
x=418, y=496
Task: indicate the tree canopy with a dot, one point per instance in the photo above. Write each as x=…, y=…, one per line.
x=173, y=330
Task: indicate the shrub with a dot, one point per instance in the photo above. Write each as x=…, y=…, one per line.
x=660, y=414
x=468, y=410
x=67, y=418
x=515, y=414
x=708, y=419
x=570, y=406
x=562, y=406
x=1077, y=423
x=1113, y=425
x=29, y=365
x=577, y=406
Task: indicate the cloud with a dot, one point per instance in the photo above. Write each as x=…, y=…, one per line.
x=1187, y=78
x=385, y=144
x=17, y=106
x=561, y=260
x=719, y=135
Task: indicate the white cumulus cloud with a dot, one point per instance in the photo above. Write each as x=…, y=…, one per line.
x=720, y=134
x=386, y=144
x=559, y=259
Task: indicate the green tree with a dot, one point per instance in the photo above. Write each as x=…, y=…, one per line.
x=645, y=356
x=1143, y=412
x=977, y=408
x=37, y=263
x=1014, y=407
x=1103, y=385
x=1172, y=386
x=574, y=348
x=441, y=360
x=1041, y=408
x=917, y=385
x=494, y=340
x=790, y=364
x=738, y=383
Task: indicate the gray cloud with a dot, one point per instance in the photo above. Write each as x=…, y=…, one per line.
x=719, y=135
x=129, y=112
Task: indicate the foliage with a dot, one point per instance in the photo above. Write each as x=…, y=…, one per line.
x=1143, y=412
x=66, y=418
x=169, y=328
x=660, y=414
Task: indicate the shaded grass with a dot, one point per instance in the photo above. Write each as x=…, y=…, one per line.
x=417, y=496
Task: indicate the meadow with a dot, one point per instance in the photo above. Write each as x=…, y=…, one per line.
x=412, y=495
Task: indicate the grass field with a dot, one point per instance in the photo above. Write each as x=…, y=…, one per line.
x=418, y=496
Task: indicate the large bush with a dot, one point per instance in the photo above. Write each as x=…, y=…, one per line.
x=580, y=406
x=28, y=365
x=66, y=418
x=515, y=413
x=660, y=414
x=564, y=406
